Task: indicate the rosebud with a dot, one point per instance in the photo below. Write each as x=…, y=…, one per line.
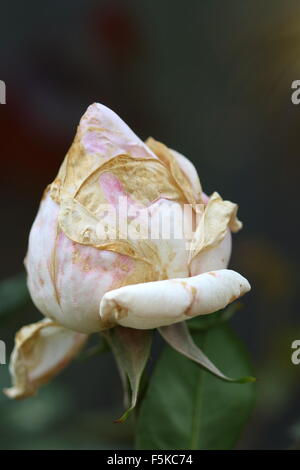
x=93, y=264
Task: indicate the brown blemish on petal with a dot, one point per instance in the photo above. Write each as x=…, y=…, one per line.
x=117, y=313
x=182, y=283
x=52, y=266
x=212, y=273
x=194, y=292
x=122, y=312
x=82, y=261
x=75, y=256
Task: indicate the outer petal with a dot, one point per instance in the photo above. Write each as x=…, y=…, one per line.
x=67, y=280
x=214, y=258
x=41, y=351
x=161, y=303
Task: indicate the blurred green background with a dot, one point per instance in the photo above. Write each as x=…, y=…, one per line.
x=211, y=79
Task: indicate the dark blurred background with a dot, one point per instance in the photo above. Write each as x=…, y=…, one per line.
x=210, y=79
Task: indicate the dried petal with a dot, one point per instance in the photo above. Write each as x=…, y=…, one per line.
x=212, y=228
x=41, y=351
x=183, y=182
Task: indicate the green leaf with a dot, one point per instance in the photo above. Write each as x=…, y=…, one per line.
x=179, y=337
x=131, y=349
x=13, y=294
x=187, y=408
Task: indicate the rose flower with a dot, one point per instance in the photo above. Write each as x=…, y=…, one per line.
x=87, y=274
